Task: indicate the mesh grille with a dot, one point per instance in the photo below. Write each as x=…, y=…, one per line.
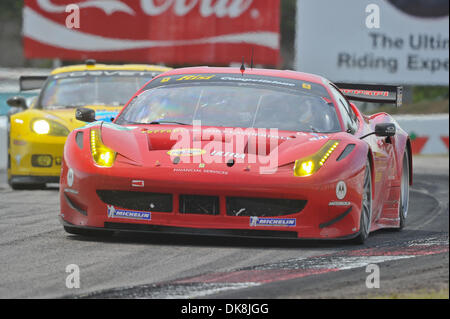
x=263, y=207
x=195, y=204
x=140, y=201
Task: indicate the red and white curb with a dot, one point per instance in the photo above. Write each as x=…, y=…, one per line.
x=216, y=282
x=428, y=133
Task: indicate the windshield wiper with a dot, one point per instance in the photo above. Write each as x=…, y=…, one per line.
x=167, y=122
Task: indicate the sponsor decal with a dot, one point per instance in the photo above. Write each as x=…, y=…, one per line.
x=70, y=177
x=251, y=134
x=126, y=73
x=189, y=77
x=257, y=80
x=199, y=170
x=339, y=203
x=167, y=131
x=196, y=77
x=341, y=190
x=131, y=214
x=227, y=154
x=365, y=92
x=137, y=183
x=275, y=81
x=317, y=137
x=186, y=152
x=19, y=143
x=264, y=221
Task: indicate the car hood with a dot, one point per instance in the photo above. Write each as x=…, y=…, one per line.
x=139, y=145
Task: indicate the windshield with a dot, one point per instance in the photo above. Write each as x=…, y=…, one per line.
x=246, y=106
x=109, y=90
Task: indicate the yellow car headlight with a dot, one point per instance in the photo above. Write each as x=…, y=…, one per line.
x=311, y=164
x=48, y=127
x=41, y=127
x=102, y=155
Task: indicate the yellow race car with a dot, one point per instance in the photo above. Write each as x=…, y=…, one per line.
x=36, y=134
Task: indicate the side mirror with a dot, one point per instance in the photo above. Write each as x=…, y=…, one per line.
x=17, y=101
x=85, y=115
x=385, y=129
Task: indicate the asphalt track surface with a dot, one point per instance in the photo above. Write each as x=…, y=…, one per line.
x=35, y=251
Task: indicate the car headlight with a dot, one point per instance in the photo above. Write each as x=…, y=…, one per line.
x=48, y=127
x=102, y=155
x=41, y=127
x=311, y=164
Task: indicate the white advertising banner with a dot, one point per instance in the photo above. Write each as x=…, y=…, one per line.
x=374, y=41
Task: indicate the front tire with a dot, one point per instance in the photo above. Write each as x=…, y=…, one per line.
x=404, y=191
x=365, y=220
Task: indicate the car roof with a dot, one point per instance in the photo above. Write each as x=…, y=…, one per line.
x=110, y=67
x=263, y=72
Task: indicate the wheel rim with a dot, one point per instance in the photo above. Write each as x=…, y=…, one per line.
x=366, y=213
x=404, y=197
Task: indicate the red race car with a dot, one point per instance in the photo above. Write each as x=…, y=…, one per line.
x=223, y=151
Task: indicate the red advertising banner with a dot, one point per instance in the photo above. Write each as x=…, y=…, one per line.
x=153, y=31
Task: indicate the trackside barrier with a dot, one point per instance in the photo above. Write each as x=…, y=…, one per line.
x=429, y=133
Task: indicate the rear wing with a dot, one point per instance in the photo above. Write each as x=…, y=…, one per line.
x=372, y=93
x=32, y=82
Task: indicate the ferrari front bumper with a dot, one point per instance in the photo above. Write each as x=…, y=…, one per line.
x=159, y=202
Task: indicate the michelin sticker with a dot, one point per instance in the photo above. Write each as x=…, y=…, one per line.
x=260, y=221
x=131, y=214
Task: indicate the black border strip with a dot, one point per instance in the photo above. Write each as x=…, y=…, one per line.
x=335, y=220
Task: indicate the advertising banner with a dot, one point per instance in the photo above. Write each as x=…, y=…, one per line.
x=374, y=41
x=156, y=31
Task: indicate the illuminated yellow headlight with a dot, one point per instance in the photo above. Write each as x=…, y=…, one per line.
x=311, y=164
x=41, y=127
x=306, y=168
x=102, y=155
x=49, y=127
